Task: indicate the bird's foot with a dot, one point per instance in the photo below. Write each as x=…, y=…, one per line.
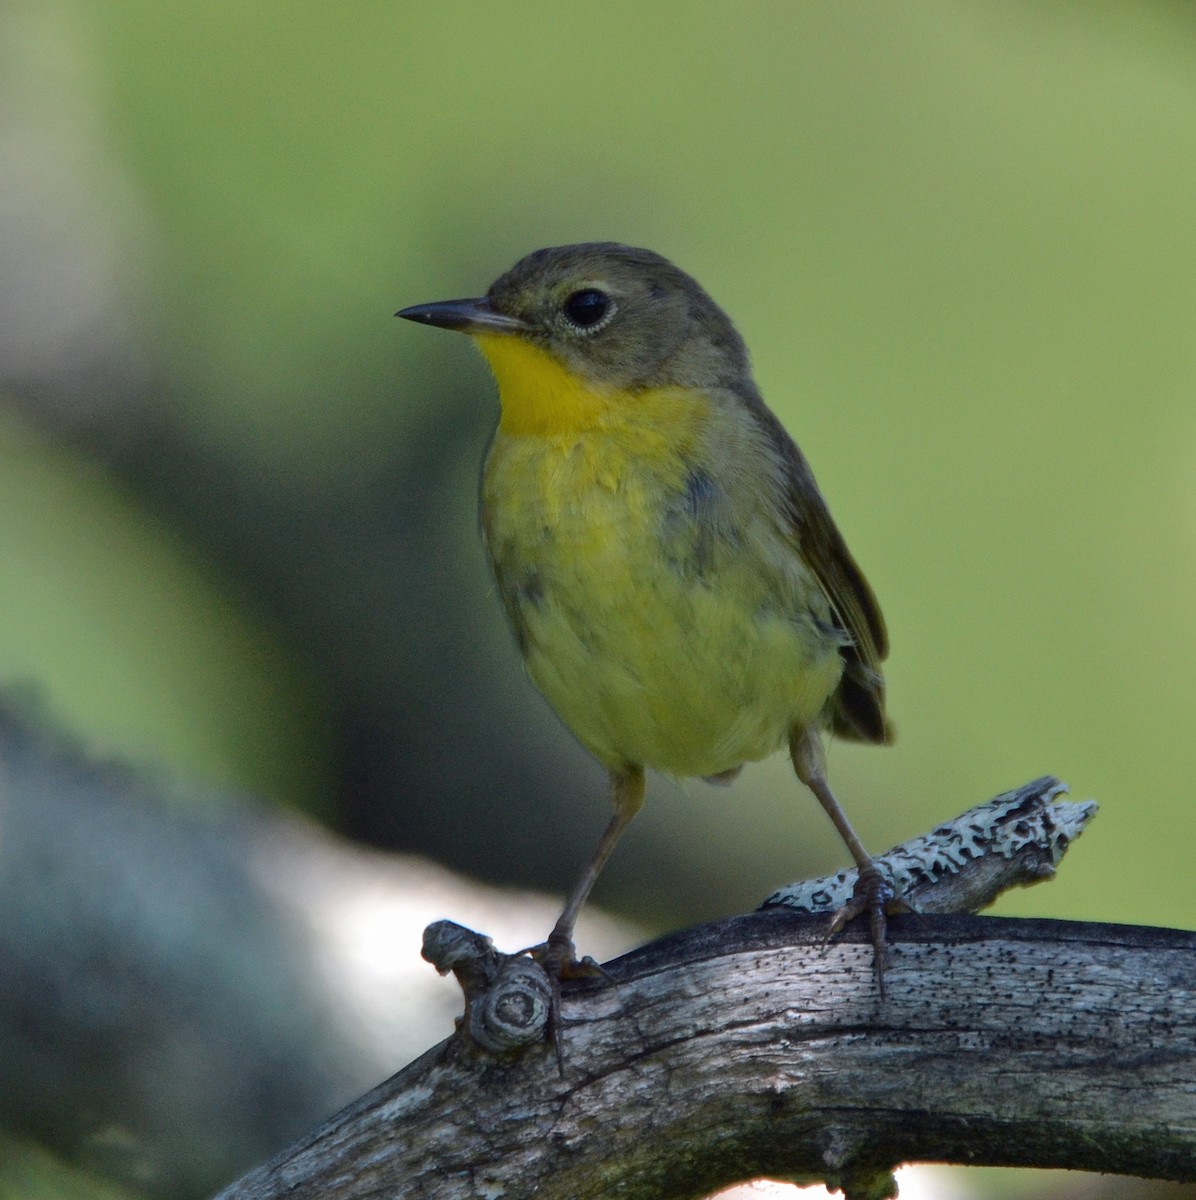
x=875, y=896
x=558, y=957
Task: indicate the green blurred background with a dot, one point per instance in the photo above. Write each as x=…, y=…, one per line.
x=237, y=498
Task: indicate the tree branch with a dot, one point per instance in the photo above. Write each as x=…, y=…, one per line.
x=745, y=1048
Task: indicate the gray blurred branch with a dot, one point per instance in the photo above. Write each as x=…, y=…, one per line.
x=743, y=1049
x=189, y=980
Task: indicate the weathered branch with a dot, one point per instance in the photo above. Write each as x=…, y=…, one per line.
x=747, y=1048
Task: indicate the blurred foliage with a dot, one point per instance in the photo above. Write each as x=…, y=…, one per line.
x=957, y=236
x=113, y=626
x=29, y=1173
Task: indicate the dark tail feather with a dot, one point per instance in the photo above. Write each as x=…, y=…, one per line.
x=857, y=709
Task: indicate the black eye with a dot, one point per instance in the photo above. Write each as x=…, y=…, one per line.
x=588, y=308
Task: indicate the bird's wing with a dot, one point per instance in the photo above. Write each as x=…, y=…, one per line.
x=857, y=709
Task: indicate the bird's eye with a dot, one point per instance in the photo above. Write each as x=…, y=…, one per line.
x=588, y=309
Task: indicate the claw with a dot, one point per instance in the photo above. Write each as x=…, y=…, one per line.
x=874, y=895
x=558, y=957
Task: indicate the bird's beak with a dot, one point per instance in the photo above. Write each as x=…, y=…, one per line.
x=465, y=316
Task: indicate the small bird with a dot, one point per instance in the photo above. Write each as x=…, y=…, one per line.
x=674, y=580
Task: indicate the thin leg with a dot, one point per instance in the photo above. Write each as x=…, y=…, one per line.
x=627, y=797
x=872, y=891
x=558, y=955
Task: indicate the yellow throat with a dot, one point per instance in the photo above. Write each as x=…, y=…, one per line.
x=538, y=393
x=541, y=397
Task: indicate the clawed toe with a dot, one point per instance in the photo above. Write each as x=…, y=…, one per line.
x=558, y=957
x=875, y=896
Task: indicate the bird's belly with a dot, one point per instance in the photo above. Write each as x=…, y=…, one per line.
x=648, y=659
x=678, y=678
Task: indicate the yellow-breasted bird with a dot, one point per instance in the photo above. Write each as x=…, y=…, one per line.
x=675, y=582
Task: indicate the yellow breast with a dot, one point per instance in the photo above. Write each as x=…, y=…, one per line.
x=665, y=631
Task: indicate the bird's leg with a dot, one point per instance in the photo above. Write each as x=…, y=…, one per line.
x=627, y=797
x=873, y=893
x=558, y=955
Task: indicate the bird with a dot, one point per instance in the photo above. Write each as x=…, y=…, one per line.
x=671, y=572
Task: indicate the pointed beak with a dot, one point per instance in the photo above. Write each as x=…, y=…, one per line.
x=465, y=316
